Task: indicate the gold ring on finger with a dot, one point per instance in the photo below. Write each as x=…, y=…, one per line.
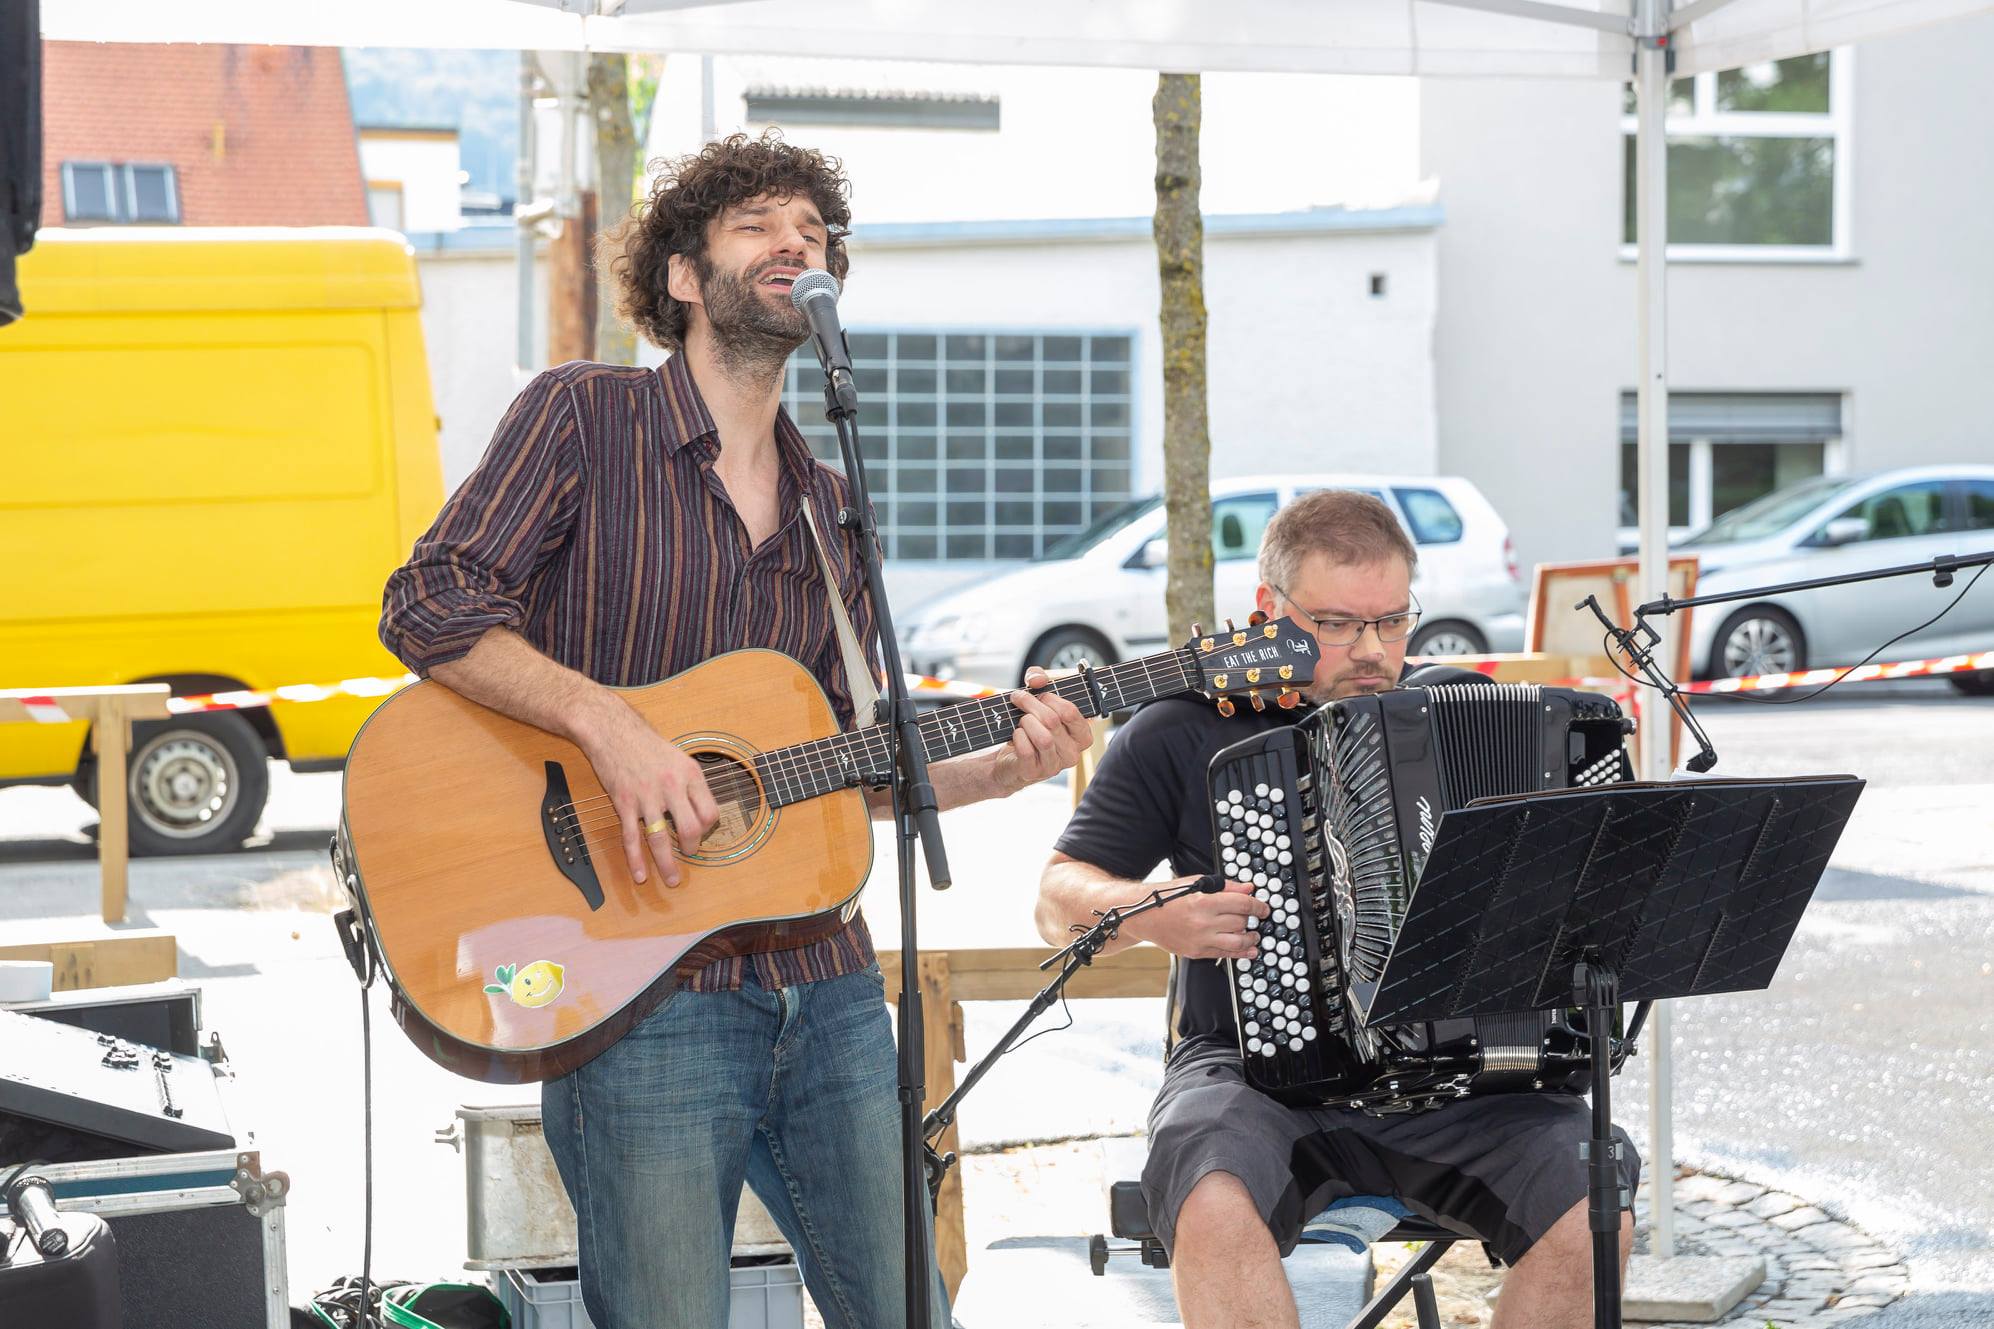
x=658, y=827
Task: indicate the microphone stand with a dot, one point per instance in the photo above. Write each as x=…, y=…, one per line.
x=1077, y=954
x=1638, y=642
x=914, y=815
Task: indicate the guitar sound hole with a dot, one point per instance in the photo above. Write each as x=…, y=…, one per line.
x=737, y=796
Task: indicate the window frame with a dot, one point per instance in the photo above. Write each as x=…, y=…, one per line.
x=1706, y=121
x=121, y=189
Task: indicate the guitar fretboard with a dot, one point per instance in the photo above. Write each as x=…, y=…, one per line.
x=808, y=770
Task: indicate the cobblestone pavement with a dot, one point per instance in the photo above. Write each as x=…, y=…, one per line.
x=1819, y=1270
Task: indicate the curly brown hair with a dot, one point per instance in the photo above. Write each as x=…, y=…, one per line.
x=688, y=192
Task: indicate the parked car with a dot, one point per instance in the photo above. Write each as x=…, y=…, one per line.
x=1836, y=524
x=1098, y=596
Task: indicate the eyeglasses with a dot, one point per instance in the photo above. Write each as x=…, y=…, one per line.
x=1339, y=630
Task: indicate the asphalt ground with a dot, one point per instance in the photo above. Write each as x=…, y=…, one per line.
x=1860, y=1080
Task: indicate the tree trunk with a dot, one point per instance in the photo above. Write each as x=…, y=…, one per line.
x=1180, y=257
x=615, y=180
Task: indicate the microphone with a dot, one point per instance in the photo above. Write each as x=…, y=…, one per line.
x=1209, y=884
x=815, y=295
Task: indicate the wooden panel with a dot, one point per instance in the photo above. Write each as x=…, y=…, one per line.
x=941, y=1049
x=112, y=960
x=1013, y=974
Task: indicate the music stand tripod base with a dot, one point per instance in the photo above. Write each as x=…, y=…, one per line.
x=1588, y=897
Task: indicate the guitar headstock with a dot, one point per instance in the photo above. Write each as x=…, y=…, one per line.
x=1270, y=659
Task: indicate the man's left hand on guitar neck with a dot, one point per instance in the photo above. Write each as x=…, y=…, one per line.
x=1051, y=735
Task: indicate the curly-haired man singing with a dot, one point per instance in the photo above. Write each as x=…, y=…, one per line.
x=624, y=525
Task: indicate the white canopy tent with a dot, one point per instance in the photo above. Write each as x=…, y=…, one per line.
x=1612, y=39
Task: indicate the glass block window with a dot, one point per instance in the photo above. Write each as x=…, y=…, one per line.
x=982, y=445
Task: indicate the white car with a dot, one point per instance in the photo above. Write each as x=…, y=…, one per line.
x=1836, y=524
x=1098, y=596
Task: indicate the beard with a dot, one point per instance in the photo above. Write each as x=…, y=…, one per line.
x=753, y=335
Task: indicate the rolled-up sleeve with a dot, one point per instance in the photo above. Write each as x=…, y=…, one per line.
x=469, y=571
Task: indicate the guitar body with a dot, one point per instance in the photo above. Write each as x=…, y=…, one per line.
x=491, y=866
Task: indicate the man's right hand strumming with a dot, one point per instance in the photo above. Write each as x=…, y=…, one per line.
x=653, y=784
x=660, y=793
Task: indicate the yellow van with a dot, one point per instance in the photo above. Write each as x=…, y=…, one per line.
x=214, y=447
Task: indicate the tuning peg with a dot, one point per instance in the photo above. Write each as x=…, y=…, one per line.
x=1290, y=699
x=1270, y=631
x=1225, y=707
x=1256, y=618
x=1229, y=627
x=1259, y=702
x=1197, y=629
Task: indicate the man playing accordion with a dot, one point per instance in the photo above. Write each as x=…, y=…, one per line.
x=1233, y=1174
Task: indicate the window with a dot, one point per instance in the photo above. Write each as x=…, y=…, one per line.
x=983, y=445
x=1728, y=449
x=104, y=192
x=1897, y=513
x=1757, y=160
x=384, y=204
x=1237, y=524
x=1977, y=501
x=1429, y=514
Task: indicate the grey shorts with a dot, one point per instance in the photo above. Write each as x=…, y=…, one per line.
x=1500, y=1169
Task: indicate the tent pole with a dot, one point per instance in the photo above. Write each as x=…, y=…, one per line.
x=523, y=361
x=1651, y=193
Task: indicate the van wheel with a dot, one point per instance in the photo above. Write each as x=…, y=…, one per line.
x=1974, y=683
x=195, y=785
x=1451, y=637
x=1066, y=648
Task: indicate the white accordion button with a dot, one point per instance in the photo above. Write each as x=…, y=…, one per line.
x=1277, y=794
x=1308, y=1033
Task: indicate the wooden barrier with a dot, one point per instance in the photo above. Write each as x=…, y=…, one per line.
x=115, y=959
x=109, y=712
x=949, y=978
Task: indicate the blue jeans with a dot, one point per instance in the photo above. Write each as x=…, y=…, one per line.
x=792, y=1091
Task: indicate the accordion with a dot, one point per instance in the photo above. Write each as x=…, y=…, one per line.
x=1331, y=821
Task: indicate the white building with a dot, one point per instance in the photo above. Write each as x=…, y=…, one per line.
x=1831, y=313
x=415, y=178
x=1003, y=298
x=1403, y=276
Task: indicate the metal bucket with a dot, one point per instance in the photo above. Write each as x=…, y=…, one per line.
x=517, y=1214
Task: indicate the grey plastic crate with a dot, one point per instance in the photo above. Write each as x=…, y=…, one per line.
x=764, y=1296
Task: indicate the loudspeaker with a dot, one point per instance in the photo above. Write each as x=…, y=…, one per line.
x=20, y=142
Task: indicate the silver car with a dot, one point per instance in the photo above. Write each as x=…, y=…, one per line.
x=1837, y=524
x=1098, y=596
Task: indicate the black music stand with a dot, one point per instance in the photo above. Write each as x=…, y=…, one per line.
x=1588, y=897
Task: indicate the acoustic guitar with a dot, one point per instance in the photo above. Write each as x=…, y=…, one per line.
x=488, y=863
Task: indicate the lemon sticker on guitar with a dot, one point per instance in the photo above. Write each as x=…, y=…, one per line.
x=530, y=985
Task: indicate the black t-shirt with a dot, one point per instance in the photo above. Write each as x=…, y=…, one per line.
x=1148, y=801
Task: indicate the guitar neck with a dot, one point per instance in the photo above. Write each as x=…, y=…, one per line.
x=808, y=770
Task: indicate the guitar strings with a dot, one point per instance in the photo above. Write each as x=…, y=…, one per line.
x=740, y=781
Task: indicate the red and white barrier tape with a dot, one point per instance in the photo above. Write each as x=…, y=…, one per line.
x=1950, y=664
x=48, y=709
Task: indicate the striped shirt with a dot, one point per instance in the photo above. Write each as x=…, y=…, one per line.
x=596, y=529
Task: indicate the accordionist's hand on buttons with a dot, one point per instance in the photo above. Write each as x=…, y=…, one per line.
x=1204, y=927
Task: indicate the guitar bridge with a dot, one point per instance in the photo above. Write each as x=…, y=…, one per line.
x=565, y=840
